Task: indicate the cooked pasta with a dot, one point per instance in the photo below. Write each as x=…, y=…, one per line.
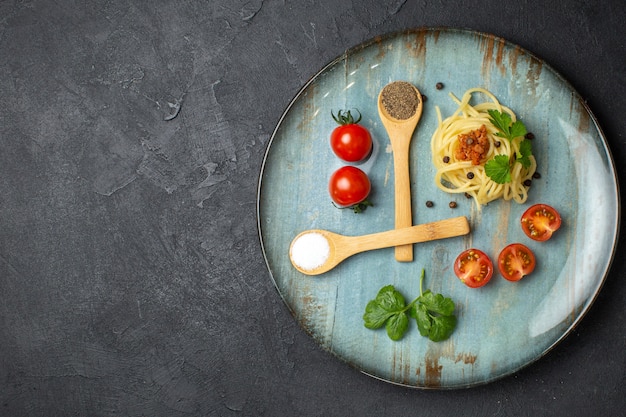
x=461, y=167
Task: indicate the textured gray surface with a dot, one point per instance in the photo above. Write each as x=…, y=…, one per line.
x=131, y=276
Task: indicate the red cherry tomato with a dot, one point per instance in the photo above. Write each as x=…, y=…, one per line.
x=516, y=261
x=473, y=267
x=540, y=221
x=349, y=186
x=350, y=141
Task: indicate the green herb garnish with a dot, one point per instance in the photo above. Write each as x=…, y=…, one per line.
x=357, y=208
x=499, y=167
x=504, y=123
x=433, y=313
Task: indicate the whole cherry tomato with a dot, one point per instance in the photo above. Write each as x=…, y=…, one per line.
x=516, y=261
x=350, y=141
x=540, y=221
x=473, y=267
x=349, y=186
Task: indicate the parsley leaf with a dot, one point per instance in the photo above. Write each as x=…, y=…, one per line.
x=499, y=169
x=433, y=313
x=517, y=129
x=504, y=123
x=388, y=309
x=390, y=299
x=441, y=327
x=375, y=315
x=397, y=325
x=525, y=151
x=437, y=303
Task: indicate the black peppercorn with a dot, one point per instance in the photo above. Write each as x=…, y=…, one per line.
x=470, y=175
x=439, y=86
x=468, y=195
x=536, y=175
x=452, y=204
x=429, y=203
x=529, y=135
x=424, y=98
x=527, y=183
x=446, y=159
x=497, y=144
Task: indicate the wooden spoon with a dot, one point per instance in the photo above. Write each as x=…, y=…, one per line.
x=341, y=247
x=400, y=127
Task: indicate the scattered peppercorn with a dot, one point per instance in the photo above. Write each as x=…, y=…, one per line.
x=429, y=204
x=424, y=98
x=470, y=175
x=497, y=144
x=439, y=86
x=446, y=159
x=527, y=183
x=452, y=204
x=536, y=175
x=468, y=195
x=529, y=135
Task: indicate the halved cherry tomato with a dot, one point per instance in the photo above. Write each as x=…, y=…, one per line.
x=349, y=186
x=473, y=267
x=350, y=141
x=540, y=221
x=516, y=261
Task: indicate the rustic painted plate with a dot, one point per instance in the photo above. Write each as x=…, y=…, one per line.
x=503, y=326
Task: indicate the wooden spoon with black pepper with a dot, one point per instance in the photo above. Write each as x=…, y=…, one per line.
x=400, y=109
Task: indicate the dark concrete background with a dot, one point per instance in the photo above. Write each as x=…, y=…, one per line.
x=132, y=281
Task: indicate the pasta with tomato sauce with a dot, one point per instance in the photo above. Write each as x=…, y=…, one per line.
x=465, y=142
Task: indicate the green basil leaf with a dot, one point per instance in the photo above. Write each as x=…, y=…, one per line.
x=397, y=325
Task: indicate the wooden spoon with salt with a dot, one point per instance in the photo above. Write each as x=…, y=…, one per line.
x=400, y=108
x=341, y=247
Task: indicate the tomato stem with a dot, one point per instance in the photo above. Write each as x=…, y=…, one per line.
x=345, y=118
x=357, y=208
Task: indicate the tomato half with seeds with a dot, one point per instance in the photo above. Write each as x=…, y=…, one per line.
x=516, y=261
x=349, y=186
x=473, y=267
x=540, y=221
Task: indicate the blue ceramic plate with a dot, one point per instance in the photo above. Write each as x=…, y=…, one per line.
x=503, y=326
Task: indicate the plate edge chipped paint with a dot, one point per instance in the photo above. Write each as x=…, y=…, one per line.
x=491, y=44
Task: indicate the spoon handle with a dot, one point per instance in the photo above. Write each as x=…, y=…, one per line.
x=441, y=229
x=402, y=184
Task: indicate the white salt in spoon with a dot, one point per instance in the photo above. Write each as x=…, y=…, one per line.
x=316, y=251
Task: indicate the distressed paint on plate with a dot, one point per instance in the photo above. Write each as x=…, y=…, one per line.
x=503, y=326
